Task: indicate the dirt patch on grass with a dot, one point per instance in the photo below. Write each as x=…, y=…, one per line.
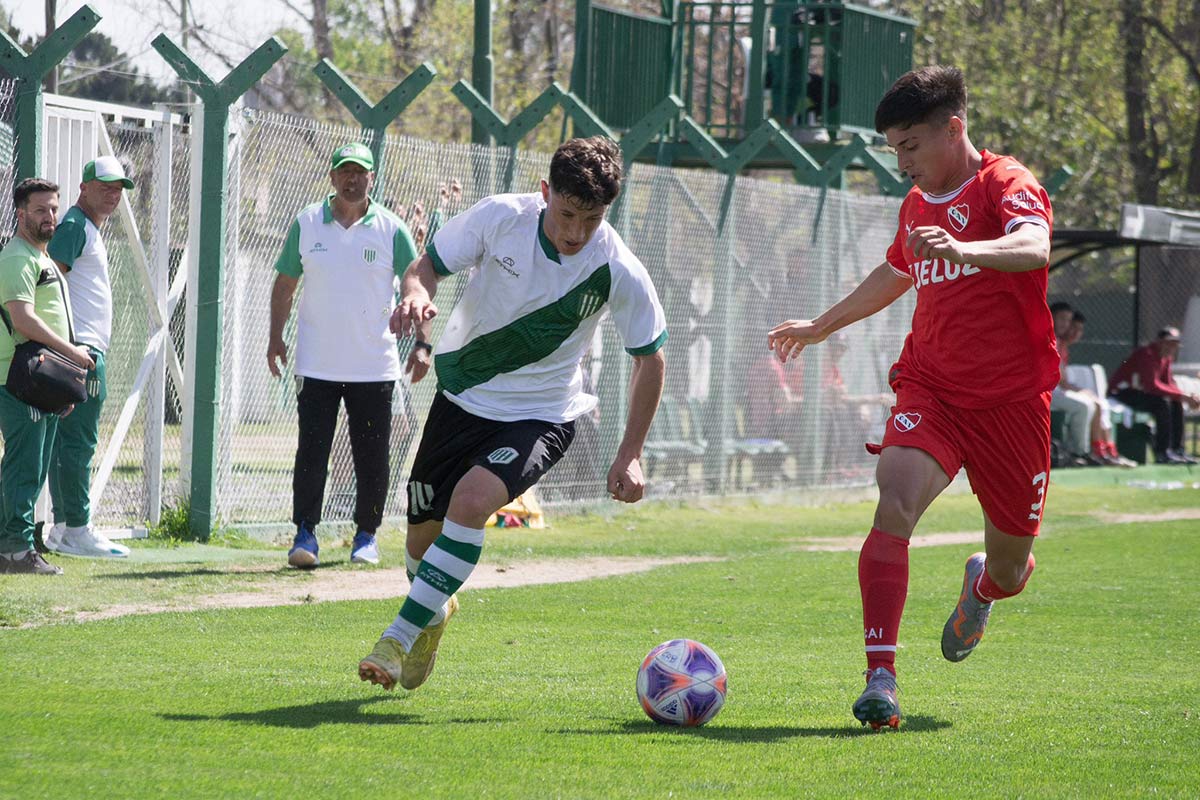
x=840, y=544
x=321, y=586
x=1158, y=516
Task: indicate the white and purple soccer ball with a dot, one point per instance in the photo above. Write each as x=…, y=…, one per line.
x=681, y=682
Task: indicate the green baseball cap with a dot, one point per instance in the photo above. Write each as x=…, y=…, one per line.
x=107, y=169
x=353, y=153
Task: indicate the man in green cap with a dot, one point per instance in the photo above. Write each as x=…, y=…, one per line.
x=78, y=249
x=33, y=301
x=350, y=251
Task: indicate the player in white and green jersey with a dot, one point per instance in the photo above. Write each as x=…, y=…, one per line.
x=545, y=269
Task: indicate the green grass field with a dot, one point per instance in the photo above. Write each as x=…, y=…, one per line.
x=1085, y=686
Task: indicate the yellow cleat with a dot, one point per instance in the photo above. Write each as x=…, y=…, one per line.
x=417, y=665
x=384, y=664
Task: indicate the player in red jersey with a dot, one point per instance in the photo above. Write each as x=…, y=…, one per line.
x=973, y=381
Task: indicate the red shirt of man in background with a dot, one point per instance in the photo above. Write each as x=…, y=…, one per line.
x=1144, y=382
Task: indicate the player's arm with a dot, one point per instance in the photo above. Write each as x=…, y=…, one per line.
x=1026, y=248
x=625, y=479
x=882, y=287
x=283, y=292
x=417, y=289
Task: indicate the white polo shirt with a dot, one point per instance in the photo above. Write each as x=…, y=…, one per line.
x=349, y=292
x=512, y=346
x=77, y=245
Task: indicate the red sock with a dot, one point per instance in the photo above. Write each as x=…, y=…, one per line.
x=883, y=581
x=987, y=591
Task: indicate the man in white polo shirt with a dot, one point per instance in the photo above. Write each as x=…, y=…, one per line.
x=78, y=248
x=545, y=268
x=350, y=250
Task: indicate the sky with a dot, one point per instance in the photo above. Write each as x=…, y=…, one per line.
x=235, y=26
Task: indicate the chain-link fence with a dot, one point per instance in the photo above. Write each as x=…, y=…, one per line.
x=8, y=146
x=732, y=420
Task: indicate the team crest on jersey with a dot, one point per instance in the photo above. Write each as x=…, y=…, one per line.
x=369, y=255
x=959, y=215
x=906, y=422
x=589, y=304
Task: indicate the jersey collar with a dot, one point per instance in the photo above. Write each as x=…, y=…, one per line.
x=327, y=210
x=547, y=246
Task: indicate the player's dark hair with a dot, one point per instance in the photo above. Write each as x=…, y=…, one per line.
x=30, y=186
x=1169, y=332
x=587, y=170
x=1060, y=306
x=1079, y=317
x=930, y=94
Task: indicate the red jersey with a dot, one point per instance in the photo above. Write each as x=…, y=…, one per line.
x=980, y=337
x=1148, y=371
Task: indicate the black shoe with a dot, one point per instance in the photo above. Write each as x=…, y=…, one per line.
x=28, y=563
x=1168, y=457
x=1182, y=457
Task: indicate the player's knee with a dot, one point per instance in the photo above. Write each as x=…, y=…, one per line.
x=895, y=514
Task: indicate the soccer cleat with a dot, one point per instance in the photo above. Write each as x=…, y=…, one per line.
x=384, y=665
x=877, y=705
x=304, y=548
x=27, y=562
x=86, y=542
x=964, y=630
x=418, y=666
x=364, y=550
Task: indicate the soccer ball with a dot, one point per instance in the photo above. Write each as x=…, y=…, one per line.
x=681, y=682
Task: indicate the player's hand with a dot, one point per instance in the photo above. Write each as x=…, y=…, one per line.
x=80, y=355
x=626, y=484
x=276, y=350
x=934, y=241
x=787, y=339
x=411, y=312
x=418, y=363
x=66, y=412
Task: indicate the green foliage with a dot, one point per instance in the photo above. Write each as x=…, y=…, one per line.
x=1047, y=85
x=172, y=527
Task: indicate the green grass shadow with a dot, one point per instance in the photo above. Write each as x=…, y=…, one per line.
x=917, y=723
x=328, y=712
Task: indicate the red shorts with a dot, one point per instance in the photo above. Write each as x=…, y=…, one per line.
x=1005, y=449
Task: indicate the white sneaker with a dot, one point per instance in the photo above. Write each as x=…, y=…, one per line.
x=54, y=538
x=85, y=541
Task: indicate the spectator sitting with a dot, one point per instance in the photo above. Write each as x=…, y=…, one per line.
x=1079, y=407
x=1104, y=445
x=1144, y=383
x=774, y=392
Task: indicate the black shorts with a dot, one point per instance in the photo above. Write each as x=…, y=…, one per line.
x=454, y=440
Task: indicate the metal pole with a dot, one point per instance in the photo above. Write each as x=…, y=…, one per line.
x=152, y=469
x=481, y=66
x=29, y=70
x=209, y=288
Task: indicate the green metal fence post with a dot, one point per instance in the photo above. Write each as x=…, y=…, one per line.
x=375, y=118
x=216, y=98
x=754, y=113
x=29, y=70
x=481, y=66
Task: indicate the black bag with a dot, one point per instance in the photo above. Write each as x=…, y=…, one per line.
x=44, y=379
x=41, y=377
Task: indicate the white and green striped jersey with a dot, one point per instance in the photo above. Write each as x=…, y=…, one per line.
x=350, y=280
x=512, y=346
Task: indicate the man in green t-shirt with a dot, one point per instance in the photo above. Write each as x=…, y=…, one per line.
x=78, y=249
x=33, y=299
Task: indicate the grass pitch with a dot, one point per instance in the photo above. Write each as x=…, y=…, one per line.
x=1084, y=686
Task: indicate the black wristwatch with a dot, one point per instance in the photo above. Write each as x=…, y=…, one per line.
x=426, y=346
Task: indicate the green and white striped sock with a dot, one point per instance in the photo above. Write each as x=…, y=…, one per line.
x=447, y=564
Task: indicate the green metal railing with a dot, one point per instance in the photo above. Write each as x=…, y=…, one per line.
x=629, y=65
x=851, y=53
